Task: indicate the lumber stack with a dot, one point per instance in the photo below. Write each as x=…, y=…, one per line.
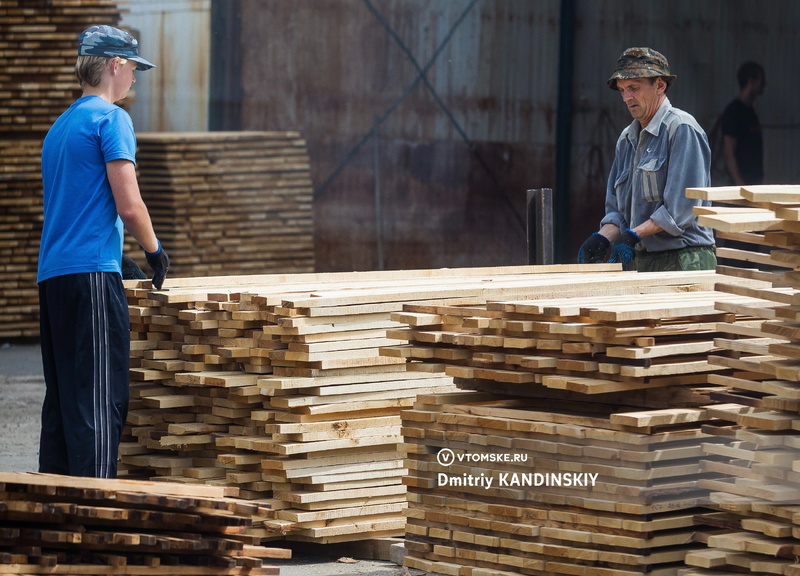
x=590, y=345
x=276, y=383
x=20, y=233
x=38, y=47
x=228, y=203
x=757, y=526
x=52, y=524
x=503, y=485
x=610, y=385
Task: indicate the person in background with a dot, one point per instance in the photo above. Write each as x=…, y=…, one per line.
x=90, y=194
x=742, y=144
x=649, y=223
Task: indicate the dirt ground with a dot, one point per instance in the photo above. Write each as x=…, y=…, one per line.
x=21, y=395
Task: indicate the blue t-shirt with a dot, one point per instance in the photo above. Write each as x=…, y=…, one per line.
x=82, y=231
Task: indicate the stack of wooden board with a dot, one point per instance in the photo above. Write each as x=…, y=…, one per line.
x=53, y=524
x=555, y=383
x=228, y=203
x=508, y=486
x=590, y=345
x=276, y=384
x=757, y=527
x=20, y=232
x=38, y=48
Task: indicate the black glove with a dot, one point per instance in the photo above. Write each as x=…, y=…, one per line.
x=159, y=264
x=624, y=249
x=131, y=270
x=594, y=249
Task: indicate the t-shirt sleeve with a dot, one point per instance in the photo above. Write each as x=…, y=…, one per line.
x=117, y=138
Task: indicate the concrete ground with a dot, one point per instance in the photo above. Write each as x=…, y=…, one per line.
x=21, y=394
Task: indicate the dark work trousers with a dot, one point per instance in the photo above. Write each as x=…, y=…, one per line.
x=85, y=339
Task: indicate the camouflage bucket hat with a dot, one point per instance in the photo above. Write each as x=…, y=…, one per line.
x=641, y=63
x=109, y=42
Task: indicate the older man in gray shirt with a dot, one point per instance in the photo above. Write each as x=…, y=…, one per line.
x=649, y=224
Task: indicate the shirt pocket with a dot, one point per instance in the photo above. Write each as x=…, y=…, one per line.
x=653, y=178
x=623, y=190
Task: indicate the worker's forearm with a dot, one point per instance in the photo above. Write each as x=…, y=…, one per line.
x=130, y=206
x=647, y=228
x=610, y=231
x=137, y=222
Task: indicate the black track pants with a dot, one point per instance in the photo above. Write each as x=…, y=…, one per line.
x=85, y=338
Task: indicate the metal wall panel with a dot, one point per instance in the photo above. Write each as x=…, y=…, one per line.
x=174, y=35
x=453, y=152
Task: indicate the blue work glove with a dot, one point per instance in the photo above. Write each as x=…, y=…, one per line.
x=624, y=249
x=131, y=270
x=594, y=249
x=159, y=263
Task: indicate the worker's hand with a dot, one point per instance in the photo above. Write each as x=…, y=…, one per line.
x=159, y=263
x=624, y=249
x=131, y=270
x=594, y=249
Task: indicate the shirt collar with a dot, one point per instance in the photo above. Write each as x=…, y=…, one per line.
x=653, y=127
x=658, y=118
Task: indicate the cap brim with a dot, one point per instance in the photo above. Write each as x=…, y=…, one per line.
x=141, y=63
x=612, y=82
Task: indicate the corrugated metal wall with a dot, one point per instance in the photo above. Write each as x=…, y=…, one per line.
x=450, y=156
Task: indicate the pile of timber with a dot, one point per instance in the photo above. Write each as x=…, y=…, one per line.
x=276, y=383
x=609, y=385
x=757, y=524
x=20, y=232
x=587, y=345
x=502, y=485
x=228, y=203
x=38, y=47
x=52, y=524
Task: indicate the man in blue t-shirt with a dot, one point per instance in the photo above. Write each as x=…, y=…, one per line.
x=90, y=195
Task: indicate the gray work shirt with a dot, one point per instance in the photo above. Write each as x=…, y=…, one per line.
x=648, y=180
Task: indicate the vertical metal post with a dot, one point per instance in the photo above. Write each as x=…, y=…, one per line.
x=377, y=191
x=540, y=226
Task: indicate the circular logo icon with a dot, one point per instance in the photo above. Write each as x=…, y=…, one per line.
x=445, y=457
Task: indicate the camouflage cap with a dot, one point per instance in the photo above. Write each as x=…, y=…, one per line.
x=641, y=63
x=109, y=42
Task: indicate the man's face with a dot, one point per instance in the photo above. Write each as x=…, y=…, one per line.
x=642, y=96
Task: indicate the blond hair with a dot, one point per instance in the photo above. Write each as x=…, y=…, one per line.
x=89, y=69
